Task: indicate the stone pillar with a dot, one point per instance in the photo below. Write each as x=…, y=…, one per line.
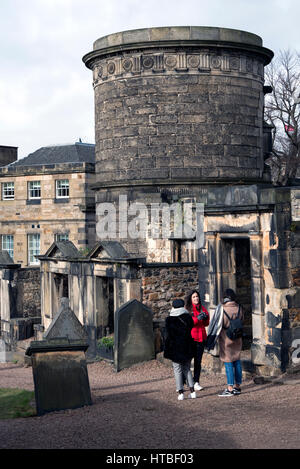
x=8, y=304
x=257, y=301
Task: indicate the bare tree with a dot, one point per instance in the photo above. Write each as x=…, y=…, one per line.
x=282, y=111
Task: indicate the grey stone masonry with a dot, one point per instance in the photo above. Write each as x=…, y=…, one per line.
x=173, y=104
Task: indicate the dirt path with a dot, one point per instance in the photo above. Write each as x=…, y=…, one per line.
x=138, y=408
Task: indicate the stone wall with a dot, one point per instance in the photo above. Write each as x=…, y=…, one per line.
x=179, y=127
x=279, y=332
x=291, y=316
x=29, y=292
x=20, y=293
x=161, y=283
x=20, y=304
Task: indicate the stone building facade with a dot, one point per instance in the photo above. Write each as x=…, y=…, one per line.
x=46, y=197
x=178, y=119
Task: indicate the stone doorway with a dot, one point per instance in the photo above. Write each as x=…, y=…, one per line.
x=235, y=273
x=104, y=306
x=60, y=290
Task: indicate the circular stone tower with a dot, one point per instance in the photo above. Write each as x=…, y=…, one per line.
x=177, y=107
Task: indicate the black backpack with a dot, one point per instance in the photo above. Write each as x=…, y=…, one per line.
x=235, y=329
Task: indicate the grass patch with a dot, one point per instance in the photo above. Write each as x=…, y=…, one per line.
x=107, y=341
x=15, y=403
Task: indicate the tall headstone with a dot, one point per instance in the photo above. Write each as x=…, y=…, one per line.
x=133, y=337
x=59, y=364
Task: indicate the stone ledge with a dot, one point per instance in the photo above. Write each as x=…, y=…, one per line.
x=181, y=33
x=182, y=36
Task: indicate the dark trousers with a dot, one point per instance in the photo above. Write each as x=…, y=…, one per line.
x=198, y=352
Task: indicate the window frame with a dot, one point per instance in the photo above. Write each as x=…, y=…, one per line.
x=57, y=189
x=30, y=197
x=5, y=197
x=31, y=251
x=57, y=235
x=11, y=247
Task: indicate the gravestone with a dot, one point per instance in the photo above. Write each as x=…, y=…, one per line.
x=133, y=337
x=59, y=364
x=5, y=351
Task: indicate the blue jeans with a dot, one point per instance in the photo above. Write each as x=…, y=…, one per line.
x=233, y=372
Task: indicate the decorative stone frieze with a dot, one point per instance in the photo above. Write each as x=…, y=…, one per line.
x=129, y=65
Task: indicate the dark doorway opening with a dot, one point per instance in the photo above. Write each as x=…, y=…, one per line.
x=61, y=289
x=104, y=306
x=61, y=285
x=236, y=274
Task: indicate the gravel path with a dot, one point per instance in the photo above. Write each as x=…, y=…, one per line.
x=138, y=408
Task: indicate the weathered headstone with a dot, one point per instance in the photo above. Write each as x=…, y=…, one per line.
x=133, y=336
x=5, y=351
x=59, y=365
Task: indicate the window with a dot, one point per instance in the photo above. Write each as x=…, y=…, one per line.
x=33, y=248
x=176, y=253
x=62, y=188
x=183, y=250
x=61, y=237
x=8, y=191
x=34, y=190
x=8, y=244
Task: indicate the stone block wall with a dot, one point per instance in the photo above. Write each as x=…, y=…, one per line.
x=174, y=127
x=20, y=304
x=162, y=283
x=291, y=316
x=281, y=255
x=29, y=293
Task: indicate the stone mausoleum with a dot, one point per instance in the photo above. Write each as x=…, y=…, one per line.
x=179, y=117
x=179, y=120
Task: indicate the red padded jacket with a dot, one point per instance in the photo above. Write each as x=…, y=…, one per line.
x=198, y=332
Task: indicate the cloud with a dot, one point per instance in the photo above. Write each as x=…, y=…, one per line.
x=46, y=93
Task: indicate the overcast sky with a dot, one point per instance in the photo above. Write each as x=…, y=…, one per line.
x=46, y=94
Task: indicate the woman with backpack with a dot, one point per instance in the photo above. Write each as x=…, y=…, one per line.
x=230, y=343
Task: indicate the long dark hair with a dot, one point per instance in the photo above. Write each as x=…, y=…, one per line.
x=188, y=300
x=230, y=294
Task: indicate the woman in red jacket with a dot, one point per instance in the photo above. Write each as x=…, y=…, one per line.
x=200, y=317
